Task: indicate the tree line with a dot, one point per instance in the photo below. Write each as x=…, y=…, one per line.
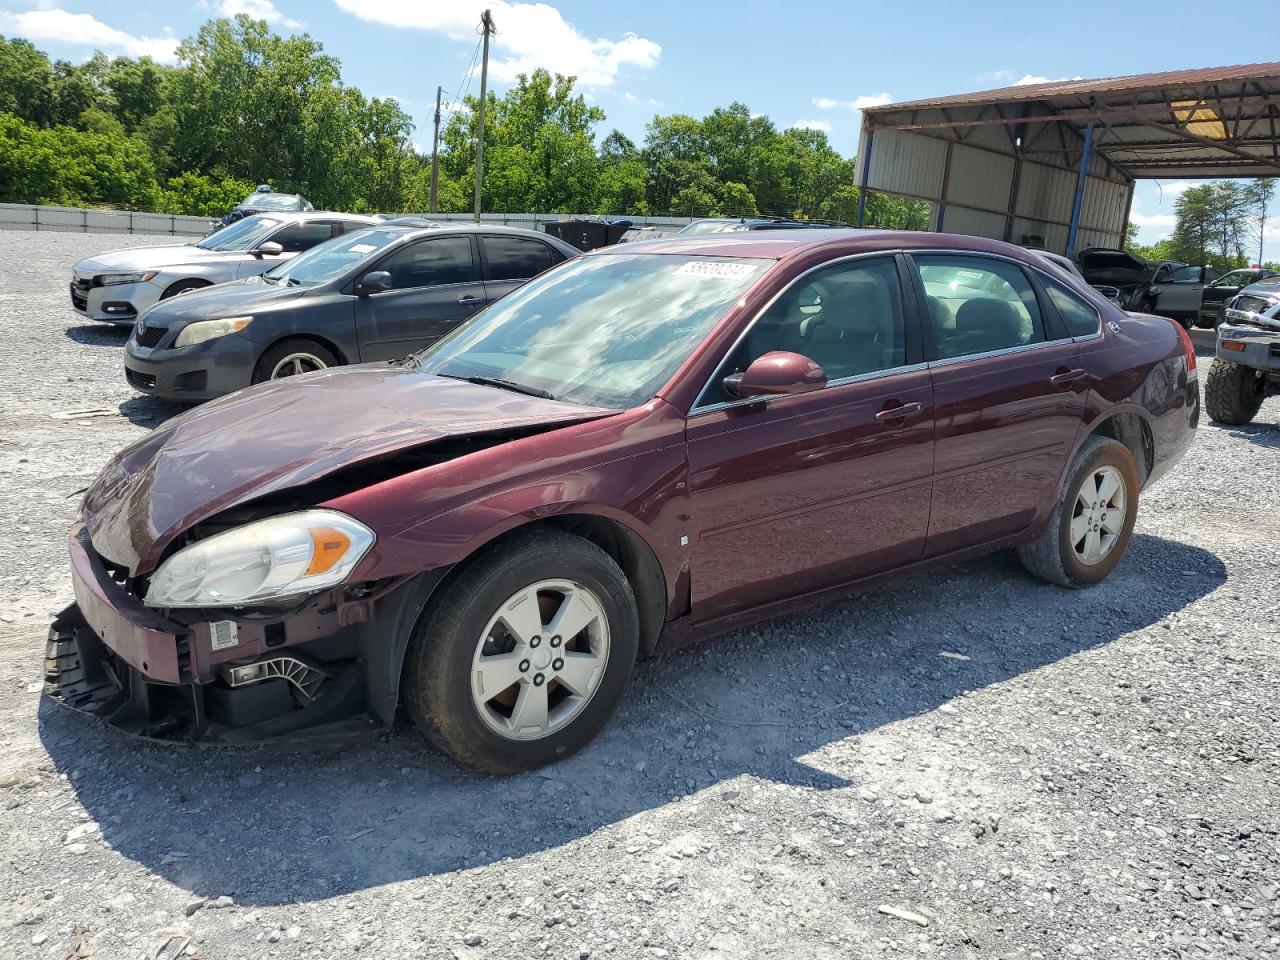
x=244, y=105
x=1219, y=224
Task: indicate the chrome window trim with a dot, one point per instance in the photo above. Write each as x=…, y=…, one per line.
x=1004, y=351
x=890, y=254
x=858, y=378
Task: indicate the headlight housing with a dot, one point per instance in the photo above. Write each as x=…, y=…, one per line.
x=263, y=561
x=110, y=279
x=203, y=330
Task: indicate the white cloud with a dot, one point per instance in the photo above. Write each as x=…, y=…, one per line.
x=632, y=99
x=1010, y=78
x=258, y=9
x=856, y=104
x=1155, y=221
x=529, y=35
x=823, y=125
x=53, y=25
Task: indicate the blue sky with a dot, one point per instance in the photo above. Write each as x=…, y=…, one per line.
x=802, y=63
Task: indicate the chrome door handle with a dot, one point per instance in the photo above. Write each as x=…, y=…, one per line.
x=1067, y=377
x=900, y=412
x=468, y=299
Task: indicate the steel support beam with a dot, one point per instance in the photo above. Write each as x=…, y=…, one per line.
x=866, y=172
x=1086, y=152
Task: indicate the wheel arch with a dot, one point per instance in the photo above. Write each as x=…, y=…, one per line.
x=190, y=282
x=315, y=338
x=388, y=634
x=1132, y=429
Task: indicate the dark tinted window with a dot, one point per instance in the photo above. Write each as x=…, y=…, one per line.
x=303, y=236
x=847, y=318
x=978, y=305
x=1080, y=318
x=348, y=226
x=429, y=263
x=516, y=258
x=1186, y=275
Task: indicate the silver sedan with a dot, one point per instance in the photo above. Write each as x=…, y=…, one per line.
x=119, y=285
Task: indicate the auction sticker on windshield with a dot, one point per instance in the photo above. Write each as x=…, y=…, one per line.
x=717, y=270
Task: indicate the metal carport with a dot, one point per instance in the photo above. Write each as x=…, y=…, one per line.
x=1057, y=161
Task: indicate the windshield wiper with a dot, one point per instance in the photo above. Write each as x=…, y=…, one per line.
x=503, y=385
x=294, y=282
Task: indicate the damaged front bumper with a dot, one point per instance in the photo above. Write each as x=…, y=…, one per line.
x=299, y=679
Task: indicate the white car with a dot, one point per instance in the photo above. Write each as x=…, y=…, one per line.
x=117, y=286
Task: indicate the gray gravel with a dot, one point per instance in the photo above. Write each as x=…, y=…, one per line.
x=964, y=764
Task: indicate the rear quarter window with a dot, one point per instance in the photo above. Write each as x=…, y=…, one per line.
x=1080, y=318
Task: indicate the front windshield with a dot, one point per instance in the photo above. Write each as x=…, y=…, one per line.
x=602, y=331
x=331, y=259
x=271, y=201
x=244, y=235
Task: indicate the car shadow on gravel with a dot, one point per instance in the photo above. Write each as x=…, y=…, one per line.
x=100, y=334
x=269, y=828
x=150, y=412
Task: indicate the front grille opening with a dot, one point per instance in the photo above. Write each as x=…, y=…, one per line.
x=150, y=336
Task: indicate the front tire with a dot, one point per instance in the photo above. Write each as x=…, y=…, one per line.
x=1233, y=394
x=183, y=286
x=525, y=656
x=291, y=357
x=1092, y=523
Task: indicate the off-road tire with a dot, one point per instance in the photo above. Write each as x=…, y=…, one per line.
x=277, y=352
x=182, y=286
x=1051, y=556
x=1233, y=393
x=436, y=684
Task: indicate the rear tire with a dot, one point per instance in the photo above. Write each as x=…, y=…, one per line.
x=1233, y=394
x=290, y=357
x=478, y=622
x=1084, y=539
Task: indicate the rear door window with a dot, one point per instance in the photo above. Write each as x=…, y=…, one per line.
x=516, y=258
x=979, y=304
x=303, y=236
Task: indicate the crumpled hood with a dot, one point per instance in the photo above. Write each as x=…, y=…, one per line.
x=151, y=258
x=222, y=300
x=284, y=434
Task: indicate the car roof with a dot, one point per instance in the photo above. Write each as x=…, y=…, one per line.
x=778, y=244
x=444, y=227
x=305, y=215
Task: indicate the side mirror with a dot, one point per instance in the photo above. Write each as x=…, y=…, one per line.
x=268, y=249
x=374, y=282
x=776, y=374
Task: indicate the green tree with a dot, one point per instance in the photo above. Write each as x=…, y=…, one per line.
x=26, y=77
x=199, y=195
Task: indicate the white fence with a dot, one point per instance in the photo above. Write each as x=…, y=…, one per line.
x=19, y=216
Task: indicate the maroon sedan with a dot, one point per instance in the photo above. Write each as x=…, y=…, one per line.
x=644, y=446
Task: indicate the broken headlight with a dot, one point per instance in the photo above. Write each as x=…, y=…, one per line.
x=266, y=560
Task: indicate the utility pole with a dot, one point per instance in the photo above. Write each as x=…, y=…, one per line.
x=435, y=154
x=486, y=25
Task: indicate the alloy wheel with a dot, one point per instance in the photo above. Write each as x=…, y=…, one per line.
x=296, y=363
x=540, y=659
x=1097, y=521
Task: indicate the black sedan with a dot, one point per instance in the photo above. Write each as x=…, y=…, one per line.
x=376, y=294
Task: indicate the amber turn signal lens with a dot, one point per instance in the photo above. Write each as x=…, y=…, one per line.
x=327, y=547
x=1234, y=345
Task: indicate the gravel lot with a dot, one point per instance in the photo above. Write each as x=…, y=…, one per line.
x=1028, y=772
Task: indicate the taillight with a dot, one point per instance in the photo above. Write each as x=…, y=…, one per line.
x=1188, y=347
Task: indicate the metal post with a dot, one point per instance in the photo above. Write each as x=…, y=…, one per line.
x=946, y=181
x=866, y=170
x=435, y=154
x=486, y=24
x=1086, y=153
